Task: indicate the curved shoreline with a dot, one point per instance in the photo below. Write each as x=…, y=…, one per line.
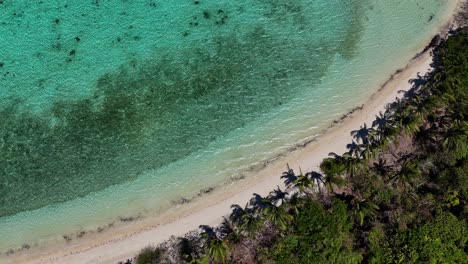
x=122, y=242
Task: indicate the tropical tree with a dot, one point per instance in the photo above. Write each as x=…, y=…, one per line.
x=237, y=213
x=454, y=118
x=225, y=229
x=217, y=249
x=304, y=184
x=332, y=166
x=368, y=151
x=408, y=120
x=148, y=255
x=334, y=170
x=456, y=140
x=333, y=180
x=207, y=232
x=353, y=165
x=381, y=167
x=249, y=223
x=295, y=203
x=362, y=209
x=278, y=216
x=354, y=149
x=409, y=170
x=427, y=137
x=384, y=126
x=259, y=203
x=316, y=178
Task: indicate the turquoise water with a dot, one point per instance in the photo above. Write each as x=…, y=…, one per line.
x=111, y=109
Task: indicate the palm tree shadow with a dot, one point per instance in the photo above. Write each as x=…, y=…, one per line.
x=259, y=202
x=416, y=84
x=419, y=81
x=354, y=149
x=382, y=121
x=289, y=177
x=237, y=213
x=363, y=134
x=277, y=195
x=207, y=231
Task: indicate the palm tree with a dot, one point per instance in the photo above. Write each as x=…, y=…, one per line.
x=259, y=203
x=382, y=121
x=316, y=178
x=354, y=149
x=407, y=172
x=217, y=249
x=335, y=166
x=384, y=125
x=333, y=180
x=249, y=223
x=381, y=167
x=352, y=164
x=225, y=229
x=237, y=213
x=456, y=139
x=454, y=118
x=409, y=121
x=207, y=231
x=244, y=218
x=367, y=151
x=295, y=203
x=363, y=208
x=304, y=184
x=397, y=106
x=422, y=106
x=428, y=137
x=278, y=216
x=413, y=91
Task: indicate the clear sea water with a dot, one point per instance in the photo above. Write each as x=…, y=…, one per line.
x=116, y=108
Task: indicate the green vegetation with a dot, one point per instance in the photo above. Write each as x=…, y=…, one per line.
x=399, y=195
x=149, y=255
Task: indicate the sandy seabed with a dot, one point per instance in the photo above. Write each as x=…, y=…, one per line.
x=123, y=242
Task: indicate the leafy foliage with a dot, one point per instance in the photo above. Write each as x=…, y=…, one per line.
x=149, y=255
x=319, y=236
x=439, y=241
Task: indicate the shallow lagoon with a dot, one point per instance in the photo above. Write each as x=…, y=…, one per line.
x=115, y=109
